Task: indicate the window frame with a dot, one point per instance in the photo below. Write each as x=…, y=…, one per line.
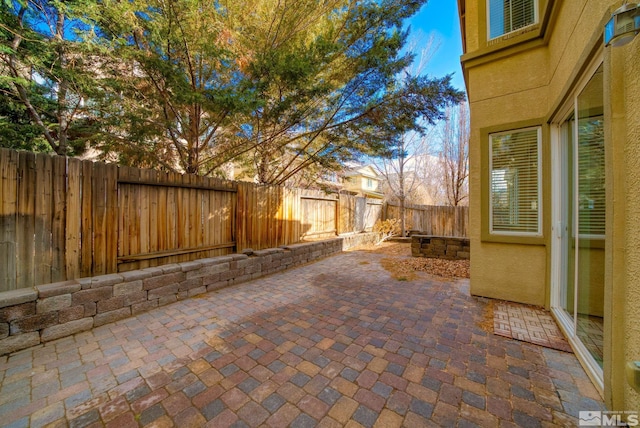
x=536, y=20
x=369, y=183
x=539, y=182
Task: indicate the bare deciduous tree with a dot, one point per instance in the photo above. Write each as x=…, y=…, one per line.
x=454, y=156
x=402, y=173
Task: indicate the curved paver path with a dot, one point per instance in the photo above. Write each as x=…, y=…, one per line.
x=334, y=343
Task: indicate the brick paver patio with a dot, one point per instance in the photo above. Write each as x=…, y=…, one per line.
x=335, y=343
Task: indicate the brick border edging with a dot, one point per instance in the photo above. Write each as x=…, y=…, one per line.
x=29, y=317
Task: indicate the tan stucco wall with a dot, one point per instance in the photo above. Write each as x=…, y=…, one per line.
x=504, y=275
x=499, y=270
x=533, y=80
x=622, y=280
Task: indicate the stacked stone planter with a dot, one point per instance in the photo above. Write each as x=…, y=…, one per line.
x=440, y=247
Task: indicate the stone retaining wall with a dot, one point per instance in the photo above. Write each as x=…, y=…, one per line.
x=440, y=247
x=44, y=313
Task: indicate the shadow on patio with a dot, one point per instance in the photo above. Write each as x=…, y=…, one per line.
x=331, y=343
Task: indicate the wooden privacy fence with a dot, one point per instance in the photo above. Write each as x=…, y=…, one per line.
x=434, y=220
x=64, y=218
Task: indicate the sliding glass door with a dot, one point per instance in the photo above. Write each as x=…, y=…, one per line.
x=580, y=226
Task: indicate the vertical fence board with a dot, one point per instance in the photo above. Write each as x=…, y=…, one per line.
x=99, y=208
x=8, y=207
x=86, y=262
x=111, y=201
x=162, y=230
x=25, y=226
x=73, y=219
x=143, y=207
x=58, y=222
x=241, y=218
x=42, y=257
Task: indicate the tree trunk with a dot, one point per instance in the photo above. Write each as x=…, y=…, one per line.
x=63, y=86
x=402, y=195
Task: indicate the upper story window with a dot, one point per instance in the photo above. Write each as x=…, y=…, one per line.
x=369, y=183
x=506, y=16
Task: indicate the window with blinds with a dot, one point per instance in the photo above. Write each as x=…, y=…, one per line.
x=515, y=204
x=506, y=16
x=591, y=186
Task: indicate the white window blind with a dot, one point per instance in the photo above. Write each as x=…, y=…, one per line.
x=591, y=185
x=506, y=16
x=515, y=182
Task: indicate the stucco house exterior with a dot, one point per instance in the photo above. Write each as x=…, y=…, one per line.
x=555, y=174
x=364, y=181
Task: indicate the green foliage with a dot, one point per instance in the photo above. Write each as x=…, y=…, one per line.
x=16, y=130
x=284, y=89
x=335, y=91
x=45, y=70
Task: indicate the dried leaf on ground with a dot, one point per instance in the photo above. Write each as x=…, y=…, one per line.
x=404, y=267
x=438, y=267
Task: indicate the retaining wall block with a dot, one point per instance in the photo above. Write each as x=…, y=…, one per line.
x=231, y=274
x=210, y=279
x=163, y=280
x=106, y=280
x=248, y=262
x=70, y=314
x=136, y=275
x=91, y=295
x=85, y=283
x=16, y=297
x=193, y=265
x=162, y=291
x=111, y=316
x=127, y=287
x=57, y=288
x=217, y=285
x=189, y=284
x=17, y=343
x=165, y=300
x=33, y=323
x=135, y=297
x=197, y=291
x=90, y=309
x=240, y=279
x=209, y=270
x=19, y=311
x=138, y=308
x=216, y=260
x=171, y=268
x=111, y=304
x=66, y=329
x=54, y=303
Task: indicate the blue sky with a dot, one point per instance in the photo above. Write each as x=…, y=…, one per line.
x=440, y=18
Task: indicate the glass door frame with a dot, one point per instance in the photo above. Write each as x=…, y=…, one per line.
x=560, y=208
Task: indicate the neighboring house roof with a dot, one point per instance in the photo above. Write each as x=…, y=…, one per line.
x=367, y=171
